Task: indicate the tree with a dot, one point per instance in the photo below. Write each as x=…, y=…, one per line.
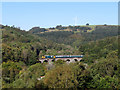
x=87, y=24
x=73, y=75
x=60, y=77
x=29, y=78
x=104, y=82
x=9, y=71
x=105, y=24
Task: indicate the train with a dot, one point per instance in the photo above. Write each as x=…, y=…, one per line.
x=62, y=56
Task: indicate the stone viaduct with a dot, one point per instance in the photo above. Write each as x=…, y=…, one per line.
x=73, y=58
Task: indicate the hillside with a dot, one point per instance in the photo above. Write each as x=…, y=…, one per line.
x=20, y=45
x=99, y=67
x=77, y=35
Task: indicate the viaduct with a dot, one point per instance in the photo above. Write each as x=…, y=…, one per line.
x=67, y=58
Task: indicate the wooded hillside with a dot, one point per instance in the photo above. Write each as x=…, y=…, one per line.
x=99, y=68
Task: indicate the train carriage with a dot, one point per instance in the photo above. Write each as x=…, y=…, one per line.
x=63, y=56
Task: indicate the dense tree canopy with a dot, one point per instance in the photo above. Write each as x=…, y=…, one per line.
x=21, y=51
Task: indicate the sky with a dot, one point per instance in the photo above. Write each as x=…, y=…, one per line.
x=50, y=14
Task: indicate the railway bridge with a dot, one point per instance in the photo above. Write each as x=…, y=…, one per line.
x=67, y=58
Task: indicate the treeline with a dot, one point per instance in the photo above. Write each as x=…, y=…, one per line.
x=38, y=30
x=73, y=28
